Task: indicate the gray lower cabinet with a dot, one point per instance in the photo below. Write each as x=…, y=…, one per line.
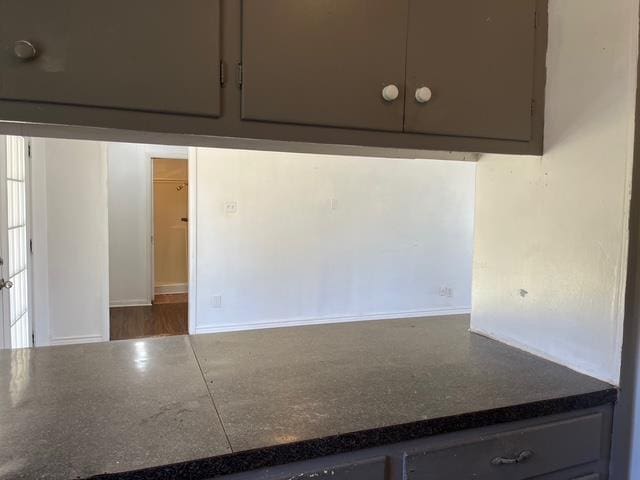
x=142, y=55
x=572, y=475
x=517, y=454
x=572, y=446
x=374, y=469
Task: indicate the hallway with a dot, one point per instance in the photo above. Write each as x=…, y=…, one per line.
x=167, y=316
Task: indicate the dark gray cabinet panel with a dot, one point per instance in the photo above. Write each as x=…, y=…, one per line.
x=143, y=55
x=571, y=474
x=515, y=455
x=477, y=58
x=374, y=469
x=324, y=62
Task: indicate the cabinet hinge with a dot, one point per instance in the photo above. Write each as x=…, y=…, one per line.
x=33, y=339
x=222, y=74
x=535, y=19
x=29, y=149
x=31, y=246
x=533, y=107
x=239, y=75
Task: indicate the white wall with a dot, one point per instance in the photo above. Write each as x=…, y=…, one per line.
x=551, y=231
x=325, y=238
x=130, y=210
x=71, y=241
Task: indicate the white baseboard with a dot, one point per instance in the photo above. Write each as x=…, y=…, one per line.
x=171, y=288
x=297, y=322
x=130, y=303
x=76, y=340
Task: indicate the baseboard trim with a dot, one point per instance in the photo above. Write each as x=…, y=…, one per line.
x=130, y=303
x=77, y=339
x=171, y=288
x=297, y=322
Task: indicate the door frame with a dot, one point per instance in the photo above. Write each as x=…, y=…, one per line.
x=189, y=157
x=626, y=429
x=29, y=212
x=5, y=334
x=192, y=178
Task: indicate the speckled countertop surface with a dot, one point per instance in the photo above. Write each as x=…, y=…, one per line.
x=197, y=407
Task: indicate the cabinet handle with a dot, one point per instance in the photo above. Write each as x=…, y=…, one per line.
x=390, y=93
x=24, y=50
x=423, y=94
x=519, y=458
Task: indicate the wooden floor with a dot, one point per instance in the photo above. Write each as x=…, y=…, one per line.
x=167, y=316
x=171, y=298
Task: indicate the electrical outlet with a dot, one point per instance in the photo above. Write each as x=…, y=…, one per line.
x=446, y=292
x=216, y=301
x=230, y=207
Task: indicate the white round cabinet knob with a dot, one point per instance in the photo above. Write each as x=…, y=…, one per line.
x=423, y=94
x=390, y=93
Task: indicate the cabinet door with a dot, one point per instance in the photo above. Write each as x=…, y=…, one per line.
x=144, y=55
x=324, y=62
x=477, y=59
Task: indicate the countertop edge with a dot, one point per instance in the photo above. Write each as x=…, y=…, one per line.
x=243, y=461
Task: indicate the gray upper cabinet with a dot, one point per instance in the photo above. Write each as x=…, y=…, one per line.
x=446, y=75
x=142, y=55
x=470, y=68
x=325, y=62
x=462, y=68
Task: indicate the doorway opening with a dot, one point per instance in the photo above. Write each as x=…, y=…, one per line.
x=167, y=311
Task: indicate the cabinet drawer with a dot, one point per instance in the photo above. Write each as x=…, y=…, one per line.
x=374, y=469
x=539, y=450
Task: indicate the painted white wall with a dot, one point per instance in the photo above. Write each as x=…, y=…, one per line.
x=320, y=238
x=130, y=225
x=71, y=291
x=551, y=231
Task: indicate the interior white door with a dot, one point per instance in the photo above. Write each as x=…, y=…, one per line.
x=14, y=243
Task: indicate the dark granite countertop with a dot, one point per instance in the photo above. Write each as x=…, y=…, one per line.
x=197, y=407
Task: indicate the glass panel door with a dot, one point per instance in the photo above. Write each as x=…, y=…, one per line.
x=16, y=245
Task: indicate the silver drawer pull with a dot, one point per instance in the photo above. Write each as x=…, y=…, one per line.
x=521, y=457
